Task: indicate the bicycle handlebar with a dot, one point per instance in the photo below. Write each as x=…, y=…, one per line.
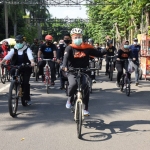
x=47, y=59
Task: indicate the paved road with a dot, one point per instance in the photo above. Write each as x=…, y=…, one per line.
x=117, y=122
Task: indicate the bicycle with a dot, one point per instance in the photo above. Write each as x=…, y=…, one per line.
x=98, y=65
x=16, y=91
x=47, y=73
x=77, y=103
x=5, y=73
x=111, y=67
x=36, y=68
x=125, y=81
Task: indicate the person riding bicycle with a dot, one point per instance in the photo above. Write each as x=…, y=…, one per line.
x=135, y=48
x=48, y=49
x=19, y=55
x=123, y=54
x=92, y=63
x=35, y=47
x=111, y=51
x=77, y=56
x=4, y=48
x=60, y=55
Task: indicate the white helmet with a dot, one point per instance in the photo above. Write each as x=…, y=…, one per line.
x=76, y=31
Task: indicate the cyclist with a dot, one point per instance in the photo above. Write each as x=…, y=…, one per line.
x=111, y=51
x=18, y=55
x=35, y=47
x=48, y=49
x=4, y=49
x=60, y=55
x=135, y=48
x=123, y=53
x=92, y=63
x=77, y=56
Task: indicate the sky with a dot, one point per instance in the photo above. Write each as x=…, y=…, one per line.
x=71, y=12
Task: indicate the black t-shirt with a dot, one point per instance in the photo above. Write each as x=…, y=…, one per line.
x=48, y=51
x=124, y=55
x=111, y=51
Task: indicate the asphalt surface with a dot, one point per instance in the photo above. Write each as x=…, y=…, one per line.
x=117, y=122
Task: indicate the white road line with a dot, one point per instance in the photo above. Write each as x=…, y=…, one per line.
x=5, y=87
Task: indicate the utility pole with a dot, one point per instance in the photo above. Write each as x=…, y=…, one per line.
x=6, y=19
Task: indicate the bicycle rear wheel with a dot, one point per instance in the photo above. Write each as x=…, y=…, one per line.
x=8, y=75
x=36, y=73
x=127, y=87
x=111, y=73
x=79, y=119
x=3, y=75
x=13, y=98
x=121, y=84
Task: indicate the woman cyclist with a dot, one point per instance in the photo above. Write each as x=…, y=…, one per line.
x=122, y=60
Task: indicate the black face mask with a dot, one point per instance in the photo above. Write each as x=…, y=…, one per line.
x=49, y=42
x=67, y=41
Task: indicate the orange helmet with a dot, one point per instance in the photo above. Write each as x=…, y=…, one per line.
x=48, y=37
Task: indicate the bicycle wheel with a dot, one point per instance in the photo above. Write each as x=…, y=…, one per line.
x=3, y=75
x=111, y=73
x=127, y=87
x=47, y=85
x=121, y=84
x=36, y=73
x=13, y=98
x=79, y=119
x=8, y=75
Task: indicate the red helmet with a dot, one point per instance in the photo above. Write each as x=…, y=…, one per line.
x=48, y=37
x=5, y=43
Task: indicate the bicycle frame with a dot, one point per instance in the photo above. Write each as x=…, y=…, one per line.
x=79, y=94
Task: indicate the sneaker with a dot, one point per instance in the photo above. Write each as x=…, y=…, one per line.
x=33, y=75
x=86, y=113
x=117, y=84
x=68, y=105
x=29, y=102
x=93, y=81
x=136, y=84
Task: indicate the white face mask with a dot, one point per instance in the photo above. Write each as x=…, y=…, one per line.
x=135, y=43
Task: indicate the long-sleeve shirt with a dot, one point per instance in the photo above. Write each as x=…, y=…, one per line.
x=79, y=58
x=124, y=55
x=20, y=52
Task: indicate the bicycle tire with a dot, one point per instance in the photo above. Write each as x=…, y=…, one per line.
x=8, y=75
x=127, y=87
x=47, y=85
x=79, y=119
x=13, y=107
x=3, y=76
x=111, y=72
x=121, y=84
x=36, y=73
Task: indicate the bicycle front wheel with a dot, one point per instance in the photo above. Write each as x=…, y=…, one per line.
x=79, y=119
x=47, y=82
x=127, y=87
x=13, y=98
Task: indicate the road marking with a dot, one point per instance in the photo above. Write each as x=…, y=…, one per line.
x=5, y=87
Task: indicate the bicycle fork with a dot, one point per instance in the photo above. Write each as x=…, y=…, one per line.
x=79, y=100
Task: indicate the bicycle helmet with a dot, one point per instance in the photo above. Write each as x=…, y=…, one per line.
x=90, y=40
x=76, y=31
x=48, y=37
x=19, y=38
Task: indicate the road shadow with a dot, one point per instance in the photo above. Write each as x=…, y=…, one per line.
x=114, y=127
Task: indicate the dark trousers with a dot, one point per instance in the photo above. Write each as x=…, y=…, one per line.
x=107, y=64
x=120, y=66
x=57, y=66
x=63, y=78
x=26, y=73
x=72, y=88
x=52, y=66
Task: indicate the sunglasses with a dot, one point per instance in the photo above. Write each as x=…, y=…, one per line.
x=19, y=41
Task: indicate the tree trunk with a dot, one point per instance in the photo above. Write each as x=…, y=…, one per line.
x=15, y=24
x=6, y=20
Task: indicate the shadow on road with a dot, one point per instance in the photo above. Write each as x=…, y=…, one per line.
x=115, y=127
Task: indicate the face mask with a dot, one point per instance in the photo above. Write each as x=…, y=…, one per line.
x=67, y=41
x=126, y=46
x=135, y=43
x=49, y=42
x=19, y=45
x=77, y=41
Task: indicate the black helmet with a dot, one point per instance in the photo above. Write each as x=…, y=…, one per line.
x=135, y=39
x=19, y=38
x=90, y=40
x=109, y=42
